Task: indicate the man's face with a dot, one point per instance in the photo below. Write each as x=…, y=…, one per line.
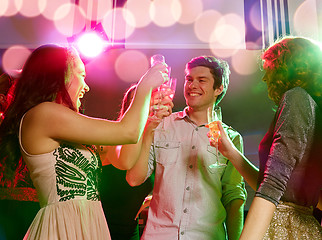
x=198, y=88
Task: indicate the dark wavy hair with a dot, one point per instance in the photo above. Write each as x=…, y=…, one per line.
x=43, y=79
x=293, y=62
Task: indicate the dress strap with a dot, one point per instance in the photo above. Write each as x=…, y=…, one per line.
x=19, y=136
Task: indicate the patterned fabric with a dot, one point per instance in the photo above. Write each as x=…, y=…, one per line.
x=66, y=181
x=76, y=175
x=291, y=221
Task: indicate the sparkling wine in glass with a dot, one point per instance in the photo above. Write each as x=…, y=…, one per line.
x=165, y=89
x=214, y=116
x=168, y=88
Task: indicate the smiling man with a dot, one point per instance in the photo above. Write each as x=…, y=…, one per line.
x=192, y=198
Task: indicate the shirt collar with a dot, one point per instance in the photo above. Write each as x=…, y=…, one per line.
x=184, y=114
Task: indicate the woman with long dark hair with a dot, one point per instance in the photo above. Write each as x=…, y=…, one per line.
x=44, y=127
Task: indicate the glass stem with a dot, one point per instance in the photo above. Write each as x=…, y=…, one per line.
x=160, y=96
x=217, y=150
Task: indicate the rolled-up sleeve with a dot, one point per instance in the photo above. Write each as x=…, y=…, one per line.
x=232, y=182
x=151, y=162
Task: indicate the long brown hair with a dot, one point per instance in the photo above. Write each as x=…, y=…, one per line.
x=43, y=79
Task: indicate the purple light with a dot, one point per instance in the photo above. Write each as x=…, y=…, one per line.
x=90, y=44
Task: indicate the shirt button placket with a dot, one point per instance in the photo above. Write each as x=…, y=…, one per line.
x=188, y=187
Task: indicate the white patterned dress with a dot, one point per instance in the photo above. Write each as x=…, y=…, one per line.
x=66, y=180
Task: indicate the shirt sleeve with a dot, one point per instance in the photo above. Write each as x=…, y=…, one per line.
x=151, y=162
x=292, y=134
x=233, y=186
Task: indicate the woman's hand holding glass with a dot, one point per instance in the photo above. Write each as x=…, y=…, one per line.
x=214, y=118
x=163, y=94
x=159, y=108
x=223, y=143
x=167, y=89
x=155, y=76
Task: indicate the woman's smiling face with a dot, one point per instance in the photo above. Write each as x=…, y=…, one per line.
x=77, y=86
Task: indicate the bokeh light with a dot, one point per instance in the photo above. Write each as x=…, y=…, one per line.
x=31, y=8
x=143, y=39
x=4, y=4
x=255, y=17
x=205, y=25
x=116, y=26
x=229, y=32
x=90, y=44
x=51, y=8
x=131, y=65
x=10, y=8
x=191, y=9
x=227, y=36
x=14, y=58
x=245, y=62
x=307, y=11
x=257, y=44
x=69, y=19
x=165, y=13
x=222, y=52
x=95, y=10
x=140, y=10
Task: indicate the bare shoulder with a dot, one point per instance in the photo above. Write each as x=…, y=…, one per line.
x=46, y=108
x=46, y=117
x=47, y=112
x=38, y=125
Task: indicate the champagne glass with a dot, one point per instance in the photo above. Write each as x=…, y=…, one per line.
x=168, y=89
x=214, y=116
x=165, y=89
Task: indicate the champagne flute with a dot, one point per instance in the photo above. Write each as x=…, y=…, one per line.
x=214, y=116
x=165, y=89
x=168, y=88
